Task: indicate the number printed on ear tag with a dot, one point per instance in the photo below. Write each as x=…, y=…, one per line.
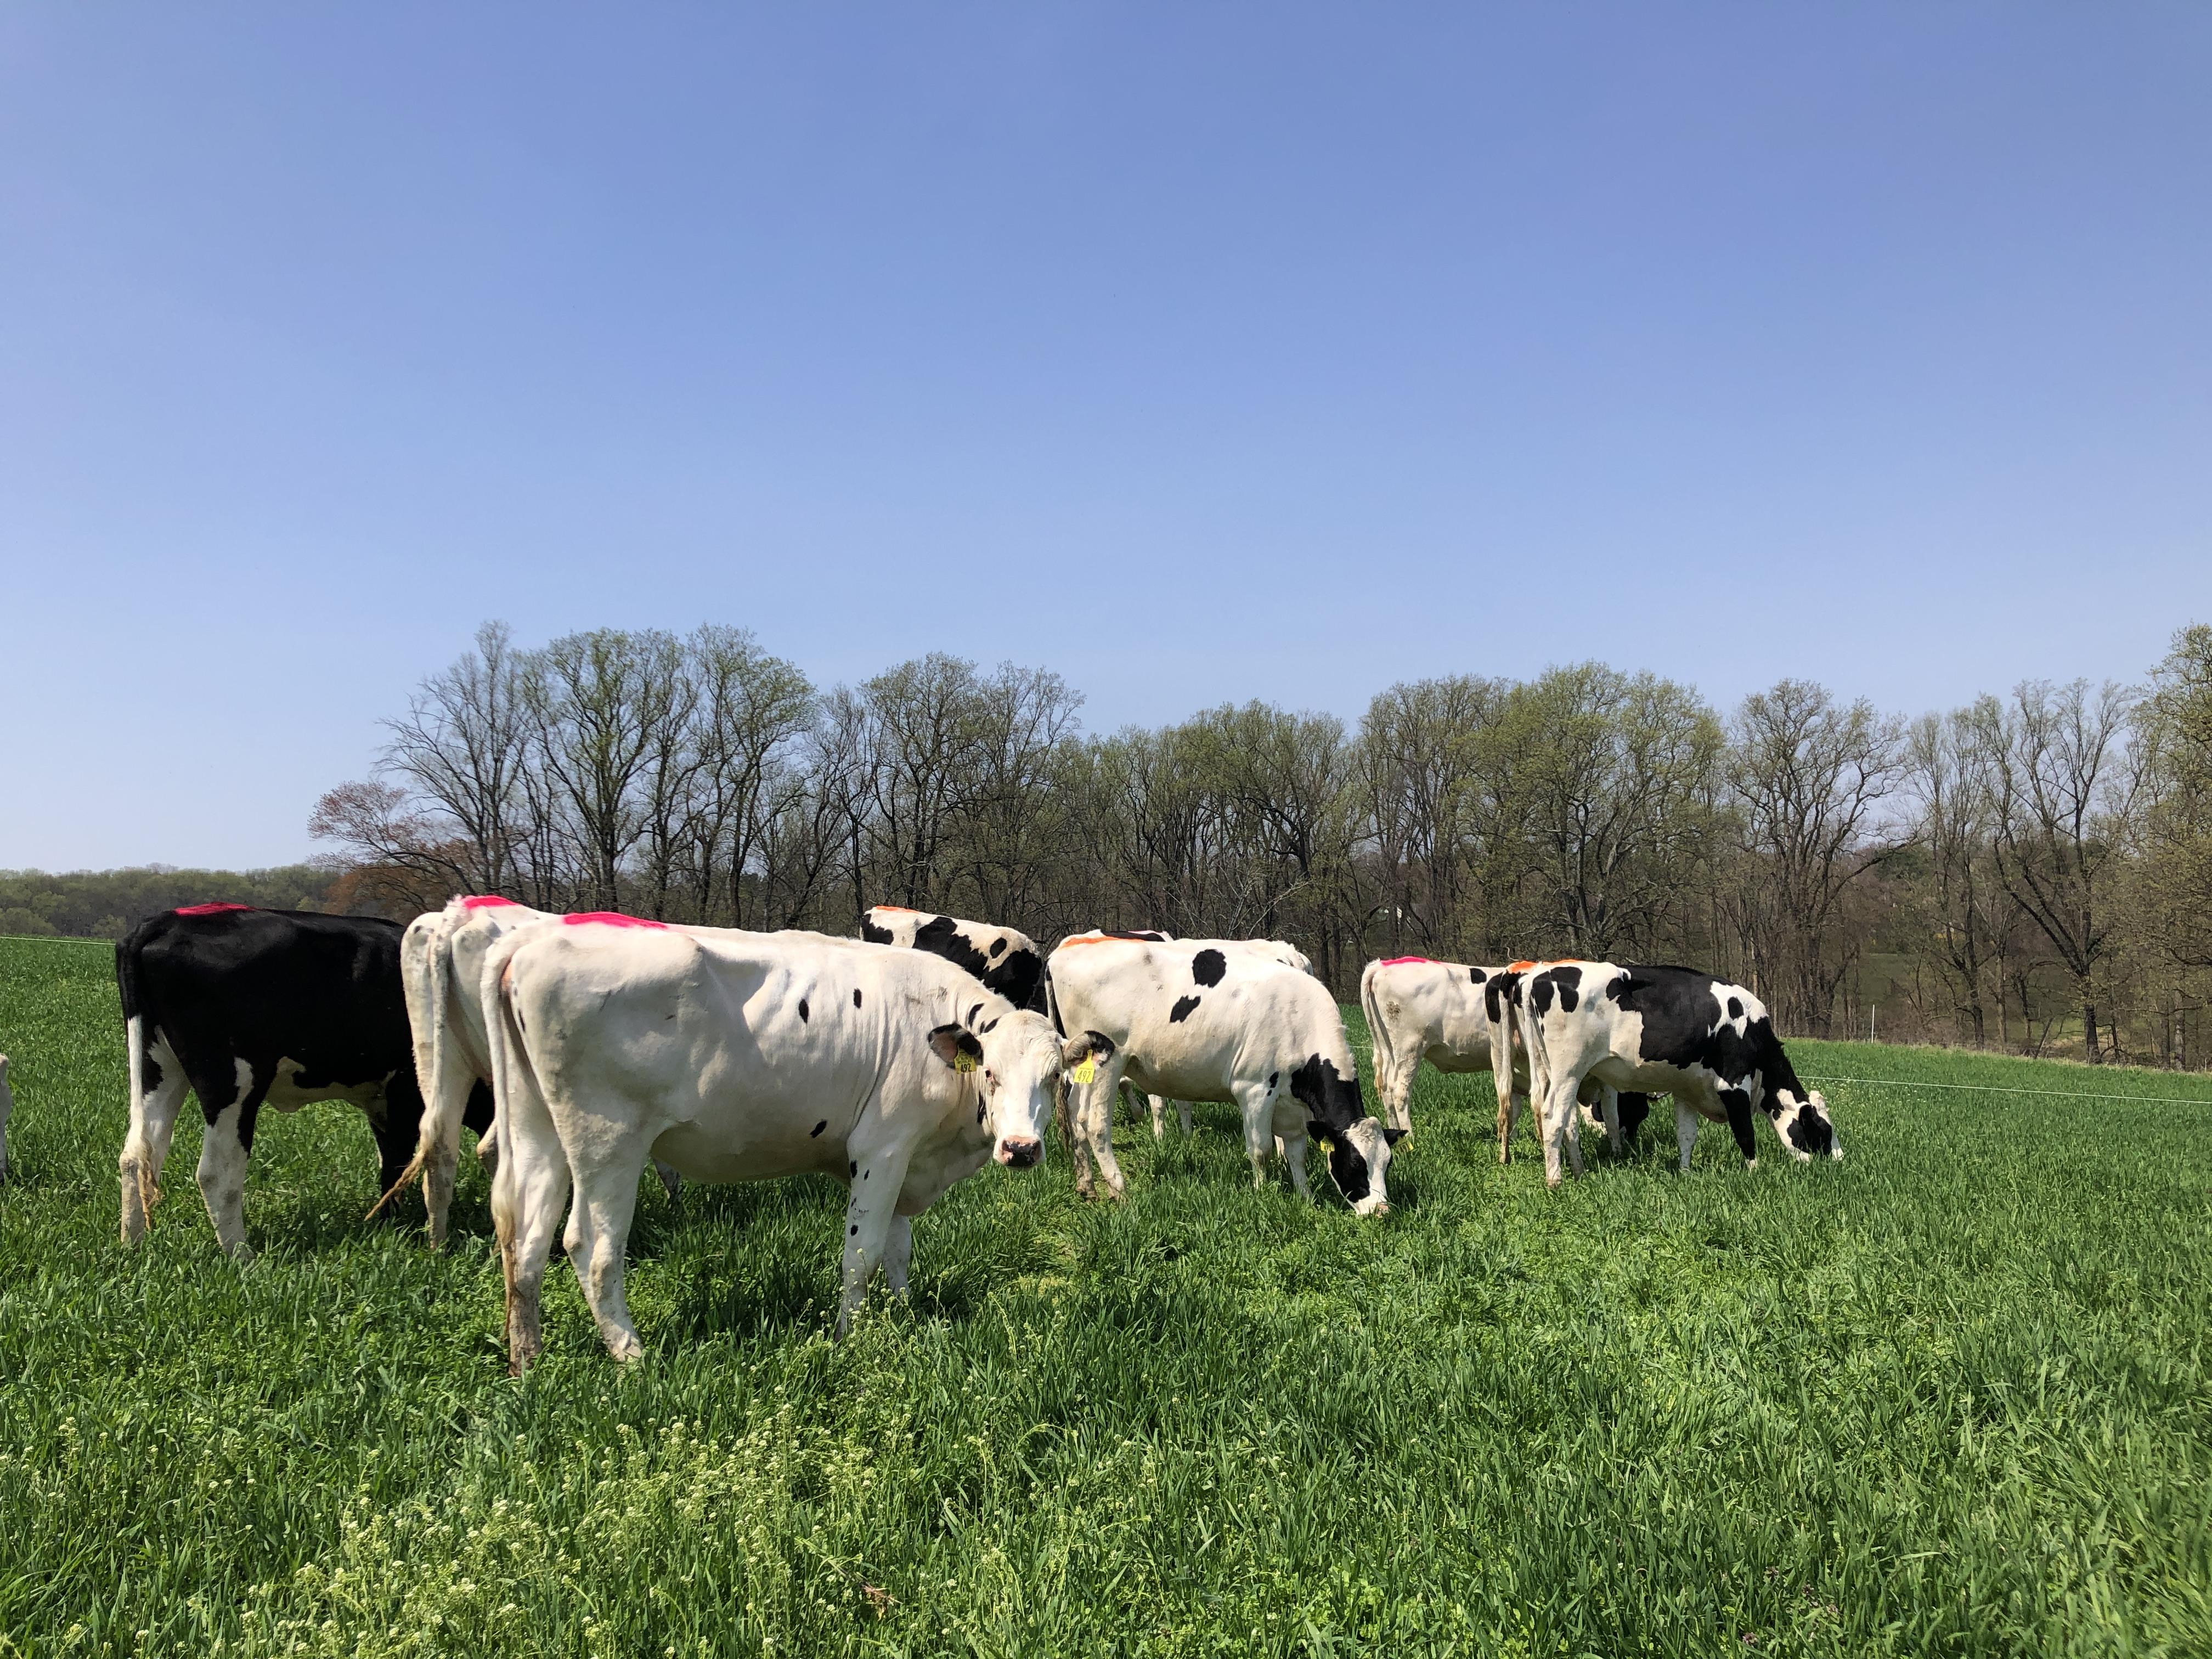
x=963, y=1062
x=1086, y=1073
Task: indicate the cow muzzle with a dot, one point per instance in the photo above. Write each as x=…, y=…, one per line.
x=1020, y=1151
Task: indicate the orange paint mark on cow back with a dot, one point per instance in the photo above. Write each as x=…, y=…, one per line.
x=897, y=910
x=1100, y=938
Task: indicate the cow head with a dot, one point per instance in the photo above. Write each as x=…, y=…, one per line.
x=1359, y=1146
x=1014, y=1059
x=1803, y=1123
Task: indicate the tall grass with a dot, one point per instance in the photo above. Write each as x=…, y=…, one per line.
x=1948, y=1396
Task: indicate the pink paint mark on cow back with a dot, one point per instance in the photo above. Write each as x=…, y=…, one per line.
x=1398, y=961
x=610, y=919
x=209, y=909
x=484, y=901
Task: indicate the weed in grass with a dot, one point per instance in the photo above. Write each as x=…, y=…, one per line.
x=1949, y=1395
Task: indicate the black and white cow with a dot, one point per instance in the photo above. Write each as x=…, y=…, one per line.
x=1193, y=1020
x=1004, y=959
x=1274, y=949
x=1661, y=1030
x=246, y=1008
x=739, y=1056
x=1419, y=1009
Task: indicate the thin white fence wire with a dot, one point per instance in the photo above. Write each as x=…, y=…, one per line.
x=1993, y=1088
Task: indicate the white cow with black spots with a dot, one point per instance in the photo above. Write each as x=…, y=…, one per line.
x=1273, y=950
x=1673, y=1030
x=736, y=1056
x=1449, y=1013
x=1192, y=1020
x=1003, y=959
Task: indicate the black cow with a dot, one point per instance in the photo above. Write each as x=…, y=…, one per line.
x=1004, y=959
x=248, y=1007
x=1663, y=1030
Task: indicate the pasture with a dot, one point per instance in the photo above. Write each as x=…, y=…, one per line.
x=1949, y=1395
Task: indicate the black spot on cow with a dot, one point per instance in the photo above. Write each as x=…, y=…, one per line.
x=1735, y=1007
x=987, y=1026
x=1273, y=1077
x=1181, y=1011
x=1333, y=1106
x=1737, y=1103
x=873, y=934
x=941, y=936
x=856, y=996
x=972, y=1012
x=1810, y=1132
x=1209, y=967
x=854, y=1168
x=1476, y=976
x=997, y=945
x=818, y=1129
x=1563, y=982
x=979, y=1111
x=1635, y=1108
x=802, y=1011
x=1144, y=935
x=852, y=1231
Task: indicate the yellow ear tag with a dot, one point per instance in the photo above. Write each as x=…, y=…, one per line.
x=1086, y=1073
x=963, y=1061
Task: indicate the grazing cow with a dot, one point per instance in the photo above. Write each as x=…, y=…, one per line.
x=739, y=1056
x=1004, y=959
x=248, y=1007
x=1274, y=949
x=7, y=1109
x=1196, y=1020
x=1709, y=1043
x=441, y=959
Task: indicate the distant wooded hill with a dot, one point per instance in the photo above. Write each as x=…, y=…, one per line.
x=108, y=903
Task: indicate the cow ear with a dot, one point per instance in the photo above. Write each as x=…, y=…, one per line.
x=956, y=1047
x=1088, y=1045
x=1316, y=1131
x=1391, y=1137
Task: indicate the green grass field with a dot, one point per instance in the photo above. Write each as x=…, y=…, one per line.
x=1949, y=1396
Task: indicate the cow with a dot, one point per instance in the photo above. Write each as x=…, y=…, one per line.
x=738, y=1057
x=7, y=1110
x=1448, y=1013
x=441, y=962
x=1708, y=1042
x=1461, y=1017
x=1274, y=949
x=1004, y=959
x=246, y=1008
x=1193, y=1020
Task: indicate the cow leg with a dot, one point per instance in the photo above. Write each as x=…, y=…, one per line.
x=1738, y=1106
x=158, y=1087
x=224, y=1149
x=598, y=1231
x=1256, y=1102
x=1182, y=1111
x=1159, y=1117
x=528, y=1191
x=898, y=1251
x=1685, y=1129
x=670, y=1182
x=1555, y=1122
x=1609, y=1112
x=869, y=1216
x=1092, y=1105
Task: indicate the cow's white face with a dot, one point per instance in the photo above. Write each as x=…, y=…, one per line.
x=1014, y=1063
x=1804, y=1125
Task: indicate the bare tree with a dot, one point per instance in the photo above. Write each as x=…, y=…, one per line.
x=1809, y=775
x=461, y=746
x=2066, y=784
x=1955, y=826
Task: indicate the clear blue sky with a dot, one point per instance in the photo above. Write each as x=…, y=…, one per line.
x=1201, y=352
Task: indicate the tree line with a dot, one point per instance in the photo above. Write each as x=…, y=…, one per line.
x=2033, y=871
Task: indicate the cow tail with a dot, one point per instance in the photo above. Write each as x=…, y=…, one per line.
x=512, y=1076
x=1380, y=1054
x=126, y=986
x=429, y=1072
